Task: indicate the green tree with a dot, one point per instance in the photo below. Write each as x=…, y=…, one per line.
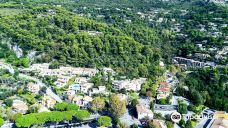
x=54, y=65
x=151, y=124
x=189, y=124
x=117, y=106
x=72, y=106
x=98, y=104
x=196, y=98
x=61, y=106
x=104, y=121
x=81, y=114
x=134, y=102
x=182, y=123
x=1, y=122
x=152, y=106
x=162, y=101
x=8, y=102
x=65, y=106
x=182, y=108
x=15, y=116
x=169, y=124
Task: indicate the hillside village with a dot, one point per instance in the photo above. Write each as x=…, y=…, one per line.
x=75, y=85
x=160, y=64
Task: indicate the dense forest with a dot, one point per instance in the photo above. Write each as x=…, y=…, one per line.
x=206, y=86
x=63, y=36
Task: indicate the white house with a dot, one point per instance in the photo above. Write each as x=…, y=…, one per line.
x=20, y=106
x=80, y=80
x=48, y=101
x=82, y=101
x=100, y=89
x=34, y=88
x=143, y=112
x=62, y=81
x=134, y=85
x=108, y=70
x=85, y=87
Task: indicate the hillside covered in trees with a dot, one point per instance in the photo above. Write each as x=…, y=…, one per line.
x=206, y=86
x=57, y=34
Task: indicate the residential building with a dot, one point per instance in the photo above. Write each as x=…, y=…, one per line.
x=81, y=101
x=34, y=88
x=163, y=90
x=20, y=106
x=48, y=102
x=188, y=62
x=43, y=109
x=219, y=123
x=220, y=120
x=62, y=81
x=75, y=87
x=80, y=80
x=133, y=85
x=159, y=123
x=108, y=70
x=71, y=92
x=83, y=87
x=44, y=70
x=86, y=86
x=143, y=112
x=98, y=90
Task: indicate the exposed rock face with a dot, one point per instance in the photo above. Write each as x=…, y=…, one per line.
x=31, y=55
x=18, y=51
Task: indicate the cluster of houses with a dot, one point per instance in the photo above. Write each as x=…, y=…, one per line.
x=81, y=101
x=129, y=85
x=45, y=104
x=222, y=55
x=200, y=60
x=63, y=74
x=185, y=62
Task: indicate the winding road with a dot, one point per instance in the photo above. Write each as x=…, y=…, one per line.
x=49, y=92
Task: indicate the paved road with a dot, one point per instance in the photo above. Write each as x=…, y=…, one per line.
x=204, y=120
x=176, y=98
x=7, y=124
x=49, y=92
x=165, y=107
x=176, y=126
